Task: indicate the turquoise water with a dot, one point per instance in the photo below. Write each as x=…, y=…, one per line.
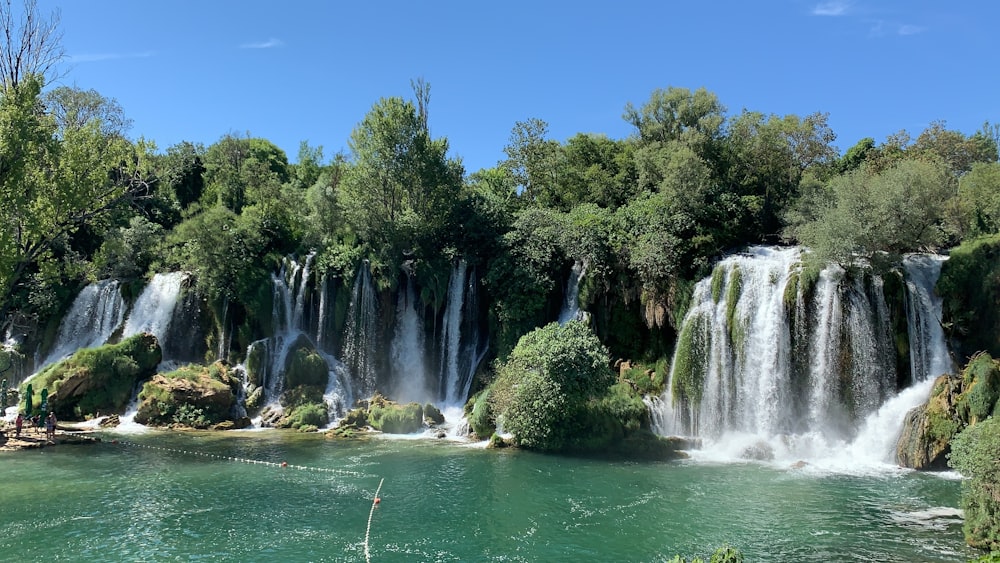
x=445, y=501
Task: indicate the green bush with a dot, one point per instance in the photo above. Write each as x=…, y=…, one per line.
x=548, y=378
x=304, y=416
x=480, y=415
x=392, y=418
x=974, y=453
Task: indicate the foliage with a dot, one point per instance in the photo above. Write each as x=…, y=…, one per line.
x=900, y=209
x=979, y=200
x=399, y=191
x=547, y=379
x=973, y=453
x=98, y=379
x=393, y=418
x=128, y=252
x=970, y=290
x=725, y=554
x=53, y=182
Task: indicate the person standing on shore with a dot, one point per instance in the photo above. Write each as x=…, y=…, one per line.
x=50, y=427
x=18, y=424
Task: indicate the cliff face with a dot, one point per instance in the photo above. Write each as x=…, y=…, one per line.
x=955, y=403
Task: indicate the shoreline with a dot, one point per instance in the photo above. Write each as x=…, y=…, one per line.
x=34, y=438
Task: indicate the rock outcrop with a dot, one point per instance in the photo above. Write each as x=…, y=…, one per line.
x=955, y=403
x=95, y=380
x=195, y=396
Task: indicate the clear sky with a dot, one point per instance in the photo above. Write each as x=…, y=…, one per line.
x=309, y=70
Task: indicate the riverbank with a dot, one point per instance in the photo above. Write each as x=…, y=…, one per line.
x=33, y=438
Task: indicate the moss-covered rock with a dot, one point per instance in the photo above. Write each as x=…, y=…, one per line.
x=97, y=380
x=303, y=406
x=305, y=366
x=394, y=418
x=193, y=395
x=955, y=403
x=433, y=415
x=480, y=415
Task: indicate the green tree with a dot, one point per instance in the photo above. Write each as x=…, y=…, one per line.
x=979, y=200
x=534, y=162
x=900, y=209
x=243, y=171
x=546, y=382
x=181, y=172
x=953, y=148
x=400, y=189
x=765, y=159
x=53, y=186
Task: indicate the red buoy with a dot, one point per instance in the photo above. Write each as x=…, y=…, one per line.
x=377, y=500
x=284, y=464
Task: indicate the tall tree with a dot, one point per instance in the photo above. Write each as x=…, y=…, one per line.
x=30, y=44
x=533, y=161
x=401, y=187
x=51, y=186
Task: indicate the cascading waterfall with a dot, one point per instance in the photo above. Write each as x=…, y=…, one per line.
x=929, y=356
x=571, y=302
x=409, y=375
x=762, y=358
x=460, y=349
x=96, y=313
x=451, y=332
x=360, y=338
x=153, y=311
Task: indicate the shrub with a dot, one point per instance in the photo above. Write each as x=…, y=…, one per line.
x=973, y=453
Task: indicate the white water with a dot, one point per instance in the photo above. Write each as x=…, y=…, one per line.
x=360, y=339
x=154, y=309
x=929, y=356
x=571, y=302
x=451, y=334
x=96, y=313
x=847, y=418
x=409, y=376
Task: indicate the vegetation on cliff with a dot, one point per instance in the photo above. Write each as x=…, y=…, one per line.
x=97, y=380
x=193, y=396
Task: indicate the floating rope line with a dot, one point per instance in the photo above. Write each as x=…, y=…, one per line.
x=282, y=465
x=375, y=502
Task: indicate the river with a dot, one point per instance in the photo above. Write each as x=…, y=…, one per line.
x=192, y=496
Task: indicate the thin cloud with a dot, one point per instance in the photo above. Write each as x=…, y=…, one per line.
x=270, y=43
x=832, y=8
x=907, y=29
x=97, y=57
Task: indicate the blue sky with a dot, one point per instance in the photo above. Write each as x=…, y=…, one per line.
x=310, y=70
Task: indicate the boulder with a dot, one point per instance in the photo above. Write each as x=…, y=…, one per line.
x=196, y=396
x=432, y=415
x=928, y=429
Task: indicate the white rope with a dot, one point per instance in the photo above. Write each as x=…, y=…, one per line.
x=375, y=501
x=282, y=465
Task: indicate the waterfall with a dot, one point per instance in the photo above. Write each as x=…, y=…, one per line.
x=289, y=287
x=409, y=375
x=96, y=313
x=154, y=309
x=360, y=338
x=460, y=349
x=571, y=301
x=929, y=356
x=764, y=357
